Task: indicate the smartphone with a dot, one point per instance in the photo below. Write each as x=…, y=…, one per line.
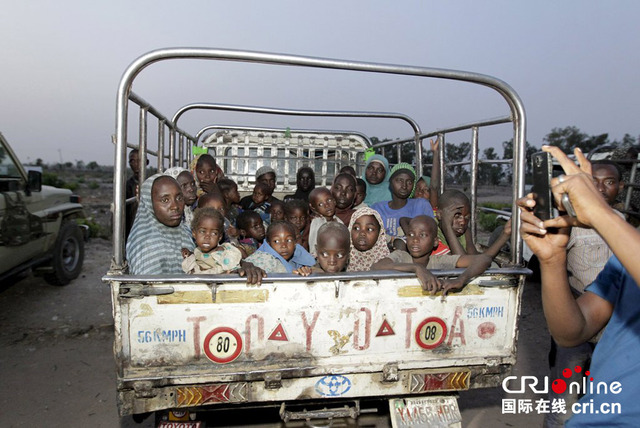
x=542, y=172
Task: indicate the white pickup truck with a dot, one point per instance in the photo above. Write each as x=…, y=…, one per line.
x=315, y=347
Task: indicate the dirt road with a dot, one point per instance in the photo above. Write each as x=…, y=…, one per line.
x=57, y=367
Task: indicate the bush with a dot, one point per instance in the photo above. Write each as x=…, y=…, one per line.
x=95, y=230
x=71, y=186
x=489, y=221
x=93, y=185
x=52, y=179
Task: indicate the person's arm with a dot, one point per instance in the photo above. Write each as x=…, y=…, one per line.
x=427, y=280
x=570, y=321
x=435, y=174
x=475, y=265
x=446, y=224
x=494, y=249
x=593, y=211
x=471, y=246
x=253, y=273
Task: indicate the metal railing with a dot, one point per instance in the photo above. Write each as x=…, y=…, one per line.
x=517, y=115
x=474, y=161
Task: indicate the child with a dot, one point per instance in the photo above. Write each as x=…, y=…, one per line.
x=217, y=202
x=259, y=201
x=333, y=248
x=361, y=194
x=305, y=183
x=280, y=253
x=343, y=190
x=209, y=256
x=229, y=190
x=207, y=172
x=250, y=232
x=266, y=175
x=376, y=177
x=368, y=240
x=453, y=221
x=426, y=188
x=348, y=169
x=422, y=239
x=402, y=183
x=276, y=211
x=296, y=212
x=323, y=206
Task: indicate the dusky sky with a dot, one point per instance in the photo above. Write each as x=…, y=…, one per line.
x=572, y=63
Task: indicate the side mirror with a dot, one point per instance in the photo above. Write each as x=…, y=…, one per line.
x=34, y=181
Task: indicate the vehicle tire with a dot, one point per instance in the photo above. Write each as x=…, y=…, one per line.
x=68, y=255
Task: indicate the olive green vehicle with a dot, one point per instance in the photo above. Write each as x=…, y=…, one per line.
x=38, y=224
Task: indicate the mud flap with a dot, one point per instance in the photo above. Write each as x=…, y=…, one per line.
x=18, y=225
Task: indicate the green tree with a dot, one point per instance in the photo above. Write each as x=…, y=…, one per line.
x=457, y=153
x=39, y=162
x=92, y=165
x=507, y=153
x=489, y=173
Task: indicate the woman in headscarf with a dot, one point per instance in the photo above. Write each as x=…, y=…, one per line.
x=159, y=232
x=376, y=177
x=189, y=189
x=368, y=240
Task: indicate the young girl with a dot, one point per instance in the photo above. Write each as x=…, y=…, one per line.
x=229, y=190
x=402, y=185
x=210, y=256
x=207, y=174
x=376, y=177
x=368, y=240
x=280, y=253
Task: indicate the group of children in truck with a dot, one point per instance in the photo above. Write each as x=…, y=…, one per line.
x=195, y=222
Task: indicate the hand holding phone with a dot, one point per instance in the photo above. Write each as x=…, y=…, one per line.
x=542, y=172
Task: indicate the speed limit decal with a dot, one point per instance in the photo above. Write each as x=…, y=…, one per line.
x=431, y=333
x=222, y=345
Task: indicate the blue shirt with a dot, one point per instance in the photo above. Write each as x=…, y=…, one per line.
x=391, y=217
x=617, y=356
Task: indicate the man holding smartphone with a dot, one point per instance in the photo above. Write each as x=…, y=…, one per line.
x=587, y=254
x=612, y=300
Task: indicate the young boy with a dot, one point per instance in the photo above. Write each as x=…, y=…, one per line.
x=422, y=239
x=276, y=211
x=343, y=190
x=453, y=218
x=361, y=194
x=280, y=253
x=323, y=206
x=453, y=227
x=250, y=232
x=265, y=175
x=332, y=248
x=259, y=201
x=296, y=212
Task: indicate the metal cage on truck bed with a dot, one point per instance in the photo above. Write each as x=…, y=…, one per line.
x=195, y=341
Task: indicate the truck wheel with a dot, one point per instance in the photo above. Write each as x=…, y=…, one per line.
x=68, y=255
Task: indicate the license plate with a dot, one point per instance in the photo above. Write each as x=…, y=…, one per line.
x=434, y=411
x=175, y=424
